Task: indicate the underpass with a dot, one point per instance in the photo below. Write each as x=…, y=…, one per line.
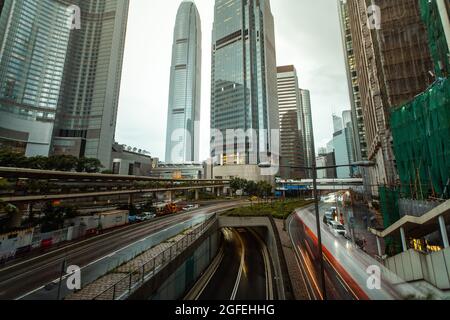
x=244, y=271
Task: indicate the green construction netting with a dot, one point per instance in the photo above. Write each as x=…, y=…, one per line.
x=421, y=134
x=437, y=41
x=389, y=205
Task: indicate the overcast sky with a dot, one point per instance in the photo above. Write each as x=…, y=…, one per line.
x=307, y=36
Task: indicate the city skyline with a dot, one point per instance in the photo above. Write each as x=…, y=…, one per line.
x=138, y=108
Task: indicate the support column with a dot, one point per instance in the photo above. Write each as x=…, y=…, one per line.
x=197, y=195
x=403, y=236
x=380, y=252
x=443, y=232
x=130, y=199
x=169, y=195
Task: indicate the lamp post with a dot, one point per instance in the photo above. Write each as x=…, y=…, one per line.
x=314, y=170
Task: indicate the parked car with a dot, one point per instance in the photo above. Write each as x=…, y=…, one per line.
x=190, y=207
x=337, y=229
x=145, y=216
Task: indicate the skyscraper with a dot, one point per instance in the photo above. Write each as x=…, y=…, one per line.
x=291, y=123
x=58, y=80
x=392, y=64
x=87, y=109
x=308, y=129
x=34, y=36
x=182, y=139
x=359, y=129
x=340, y=144
x=244, y=83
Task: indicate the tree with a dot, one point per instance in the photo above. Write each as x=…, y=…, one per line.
x=264, y=189
x=88, y=165
x=238, y=184
x=251, y=188
x=9, y=158
x=38, y=163
x=62, y=163
x=54, y=216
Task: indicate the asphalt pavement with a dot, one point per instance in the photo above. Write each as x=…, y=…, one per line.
x=241, y=275
x=37, y=277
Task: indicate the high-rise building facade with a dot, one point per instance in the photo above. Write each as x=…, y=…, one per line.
x=59, y=84
x=291, y=124
x=308, y=129
x=182, y=139
x=392, y=64
x=87, y=109
x=359, y=129
x=33, y=44
x=244, y=82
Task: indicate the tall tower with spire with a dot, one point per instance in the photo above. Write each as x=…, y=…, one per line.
x=182, y=140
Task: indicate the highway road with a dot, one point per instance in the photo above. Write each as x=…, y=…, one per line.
x=244, y=272
x=37, y=278
x=346, y=266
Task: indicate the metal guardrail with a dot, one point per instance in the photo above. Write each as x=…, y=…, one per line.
x=129, y=283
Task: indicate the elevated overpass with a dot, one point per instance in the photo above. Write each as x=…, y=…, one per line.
x=24, y=186
x=355, y=184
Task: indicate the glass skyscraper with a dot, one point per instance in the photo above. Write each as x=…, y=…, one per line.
x=244, y=81
x=308, y=129
x=87, y=110
x=34, y=36
x=182, y=139
x=59, y=86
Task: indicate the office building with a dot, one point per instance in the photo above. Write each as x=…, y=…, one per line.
x=359, y=129
x=244, y=87
x=32, y=62
x=393, y=65
x=182, y=138
x=347, y=118
x=131, y=161
x=88, y=105
x=193, y=171
x=59, y=86
x=293, y=151
x=308, y=129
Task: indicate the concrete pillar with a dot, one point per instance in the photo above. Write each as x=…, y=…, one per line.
x=403, y=237
x=130, y=199
x=197, y=194
x=443, y=231
x=169, y=196
x=380, y=252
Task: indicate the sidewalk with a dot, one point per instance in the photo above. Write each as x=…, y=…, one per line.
x=298, y=286
x=363, y=219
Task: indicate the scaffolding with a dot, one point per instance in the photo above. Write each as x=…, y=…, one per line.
x=436, y=35
x=421, y=134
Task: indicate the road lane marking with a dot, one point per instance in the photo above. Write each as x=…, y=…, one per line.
x=204, y=212
x=267, y=266
x=241, y=268
x=96, y=261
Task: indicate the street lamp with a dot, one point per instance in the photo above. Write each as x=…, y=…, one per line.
x=314, y=170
